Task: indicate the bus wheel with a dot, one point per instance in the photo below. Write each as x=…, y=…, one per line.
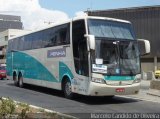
x=67, y=89
x=20, y=81
x=15, y=80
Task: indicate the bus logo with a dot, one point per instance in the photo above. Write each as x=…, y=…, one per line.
x=56, y=53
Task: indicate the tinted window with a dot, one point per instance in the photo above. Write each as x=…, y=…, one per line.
x=27, y=42
x=9, y=47
x=21, y=43
x=63, y=34
x=80, y=48
x=37, y=40
x=15, y=44
x=57, y=36
x=54, y=36
x=51, y=37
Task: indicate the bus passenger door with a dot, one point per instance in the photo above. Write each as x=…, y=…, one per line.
x=80, y=54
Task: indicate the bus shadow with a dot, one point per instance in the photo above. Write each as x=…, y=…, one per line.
x=94, y=100
x=39, y=89
x=90, y=100
x=44, y=90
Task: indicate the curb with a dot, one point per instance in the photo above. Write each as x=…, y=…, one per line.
x=154, y=92
x=47, y=110
x=51, y=111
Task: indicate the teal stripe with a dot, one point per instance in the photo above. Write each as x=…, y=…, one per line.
x=64, y=70
x=32, y=68
x=119, y=78
x=9, y=64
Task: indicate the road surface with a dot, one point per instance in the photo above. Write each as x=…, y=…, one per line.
x=80, y=106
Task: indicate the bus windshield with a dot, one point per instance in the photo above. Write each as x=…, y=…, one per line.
x=116, y=47
x=110, y=29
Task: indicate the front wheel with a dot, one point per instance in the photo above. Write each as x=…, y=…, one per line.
x=67, y=89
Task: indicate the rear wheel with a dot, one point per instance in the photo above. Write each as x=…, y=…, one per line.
x=15, y=80
x=20, y=81
x=67, y=89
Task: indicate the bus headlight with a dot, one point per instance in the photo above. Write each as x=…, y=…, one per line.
x=98, y=80
x=137, y=79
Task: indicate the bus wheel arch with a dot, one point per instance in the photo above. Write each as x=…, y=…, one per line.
x=15, y=78
x=20, y=80
x=66, y=87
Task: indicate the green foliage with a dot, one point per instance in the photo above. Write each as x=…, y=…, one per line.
x=25, y=109
x=10, y=109
x=7, y=107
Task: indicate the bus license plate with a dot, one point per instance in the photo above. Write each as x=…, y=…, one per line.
x=119, y=90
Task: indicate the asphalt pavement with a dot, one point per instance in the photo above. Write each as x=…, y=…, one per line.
x=81, y=106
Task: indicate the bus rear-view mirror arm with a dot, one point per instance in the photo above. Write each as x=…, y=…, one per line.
x=144, y=46
x=91, y=41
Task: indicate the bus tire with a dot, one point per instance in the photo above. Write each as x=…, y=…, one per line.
x=67, y=89
x=15, y=79
x=20, y=81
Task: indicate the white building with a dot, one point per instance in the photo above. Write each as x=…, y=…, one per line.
x=4, y=36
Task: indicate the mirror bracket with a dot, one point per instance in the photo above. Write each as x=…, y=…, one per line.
x=91, y=41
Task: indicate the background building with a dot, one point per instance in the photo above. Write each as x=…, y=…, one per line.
x=10, y=22
x=4, y=37
x=9, y=26
x=146, y=23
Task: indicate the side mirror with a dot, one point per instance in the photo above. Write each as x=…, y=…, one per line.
x=144, y=46
x=91, y=40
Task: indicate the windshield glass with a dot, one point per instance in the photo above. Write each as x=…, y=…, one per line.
x=118, y=55
x=110, y=29
x=2, y=68
x=129, y=57
x=120, y=58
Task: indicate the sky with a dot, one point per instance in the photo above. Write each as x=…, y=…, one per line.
x=36, y=14
x=71, y=7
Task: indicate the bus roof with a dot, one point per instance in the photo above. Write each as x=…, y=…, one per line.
x=103, y=18
x=74, y=19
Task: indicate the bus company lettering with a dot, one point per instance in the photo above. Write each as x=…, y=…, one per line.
x=56, y=53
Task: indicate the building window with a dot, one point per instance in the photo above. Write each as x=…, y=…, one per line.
x=6, y=38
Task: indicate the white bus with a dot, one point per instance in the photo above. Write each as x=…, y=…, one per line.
x=93, y=56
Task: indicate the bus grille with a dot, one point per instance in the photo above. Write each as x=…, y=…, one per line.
x=119, y=83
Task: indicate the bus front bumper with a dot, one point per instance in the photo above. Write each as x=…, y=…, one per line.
x=97, y=89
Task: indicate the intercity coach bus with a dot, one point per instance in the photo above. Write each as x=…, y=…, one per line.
x=94, y=56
